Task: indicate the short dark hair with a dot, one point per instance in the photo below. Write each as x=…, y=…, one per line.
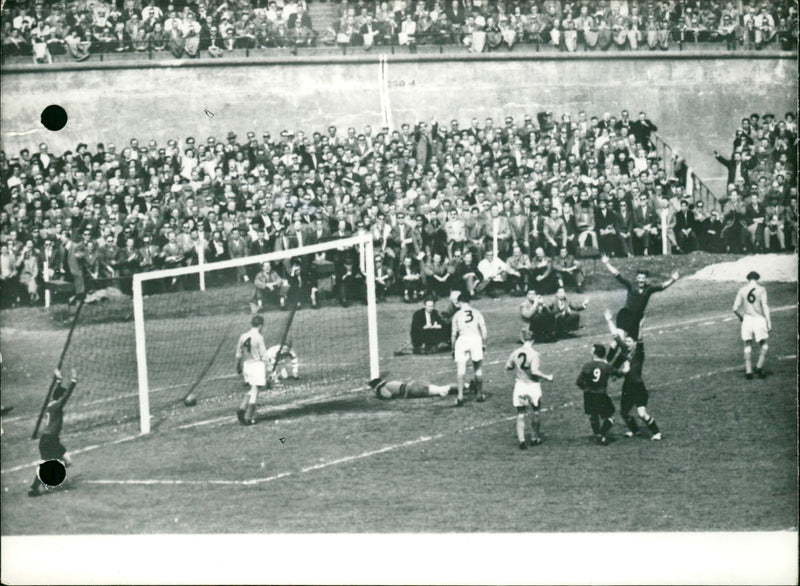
x=599, y=350
x=257, y=321
x=753, y=276
x=644, y=272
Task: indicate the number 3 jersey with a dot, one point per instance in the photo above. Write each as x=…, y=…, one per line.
x=469, y=322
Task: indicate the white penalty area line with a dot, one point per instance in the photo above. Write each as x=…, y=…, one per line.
x=370, y=453
x=78, y=451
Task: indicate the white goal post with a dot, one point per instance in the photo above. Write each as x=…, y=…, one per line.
x=363, y=240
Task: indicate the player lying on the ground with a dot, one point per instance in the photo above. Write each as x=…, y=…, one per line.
x=284, y=361
x=626, y=358
x=251, y=363
x=413, y=389
x=638, y=295
x=50, y=446
x=752, y=310
x=527, y=390
x=593, y=381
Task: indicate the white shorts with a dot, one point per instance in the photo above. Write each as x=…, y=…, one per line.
x=754, y=326
x=468, y=348
x=255, y=372
x=527, y=393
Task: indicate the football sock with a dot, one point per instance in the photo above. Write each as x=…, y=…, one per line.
x=245, y=402
x=762, y=357
x=595, y=421
x=535, y=424
x=630, y=421
x=478, y=383
x=521, y=427
x=606, y=427
x=651, y=425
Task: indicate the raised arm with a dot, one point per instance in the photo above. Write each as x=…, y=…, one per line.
x=610, y=321
x=72, y=383
x=672, y=278
x=607, y=263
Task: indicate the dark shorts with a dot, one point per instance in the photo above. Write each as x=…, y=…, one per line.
x=634, y=394
x=50, y=448
x=598, y=404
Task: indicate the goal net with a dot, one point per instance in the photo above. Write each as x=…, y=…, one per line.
x=178, y=336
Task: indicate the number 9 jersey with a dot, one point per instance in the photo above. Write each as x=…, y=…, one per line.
x=594, y=376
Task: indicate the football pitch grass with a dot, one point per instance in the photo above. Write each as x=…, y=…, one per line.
x=340, y=460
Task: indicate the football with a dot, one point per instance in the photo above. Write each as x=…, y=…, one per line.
x=190, y=400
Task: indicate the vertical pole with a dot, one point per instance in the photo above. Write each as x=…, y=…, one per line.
x=46, y=279
x=372, y=309
x=201, y=261
x=665, y=247
x=141, y=355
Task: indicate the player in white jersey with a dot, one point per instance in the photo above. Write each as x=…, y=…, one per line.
x=752, y=309
x=283, y=360
x=468, y=341
x=524, y=361
x=251, y=363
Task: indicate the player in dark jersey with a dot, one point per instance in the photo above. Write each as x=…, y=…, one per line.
x=593, y=381
x=638, y=296
x=626, y=358
x=395, y=389
x=50, y=447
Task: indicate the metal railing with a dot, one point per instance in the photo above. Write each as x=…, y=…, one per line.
x=694, y=187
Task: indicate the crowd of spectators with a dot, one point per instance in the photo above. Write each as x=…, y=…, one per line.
x=590, y=24
x=213, y=27
x=490, y=207
x=760, y=205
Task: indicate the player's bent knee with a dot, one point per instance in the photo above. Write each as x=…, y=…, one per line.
x=642, y=411
x=478, y=372
x=764, y=346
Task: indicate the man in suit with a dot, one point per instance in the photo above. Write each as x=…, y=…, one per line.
x=738, y=167
x=754, y=218
x=642, y=129
x=624, y=228
x=604, y=220
x=74, y=253
x=429, y=332
x=645, y=226
x=685, y=228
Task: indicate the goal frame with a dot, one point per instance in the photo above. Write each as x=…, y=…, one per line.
x=367, y=256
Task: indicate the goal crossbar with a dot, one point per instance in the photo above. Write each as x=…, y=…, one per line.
x=363, y=240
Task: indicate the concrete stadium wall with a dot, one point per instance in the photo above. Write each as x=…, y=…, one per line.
x=695, y=100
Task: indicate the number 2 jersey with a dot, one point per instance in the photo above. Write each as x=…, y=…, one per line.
x=523, y=360
x=594, y=376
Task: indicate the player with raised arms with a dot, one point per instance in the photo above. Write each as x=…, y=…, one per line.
x=638, y=296
x=50, y=446
x=468, y=341
x=251, y=363
x=593, y=381
x=413, y=389
x=527, y=390
x=752, y=310
x=626, y=358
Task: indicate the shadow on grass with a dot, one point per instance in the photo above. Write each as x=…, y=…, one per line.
x=332, y=406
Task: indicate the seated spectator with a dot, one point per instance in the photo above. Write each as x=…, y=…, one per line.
x=543, y=277
x=754, y=219
x=568, y=270
x=774, y=226
x=410, y=280
x=429, y=332
x=350, y=282
x=605, y=220
x=565, y=314
x=519, y=268
x=494, y=273
x=536, y=317
x=269, y=287
x=584, y=221
x=685, y=228
x=384, y=278
x=437, y=276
